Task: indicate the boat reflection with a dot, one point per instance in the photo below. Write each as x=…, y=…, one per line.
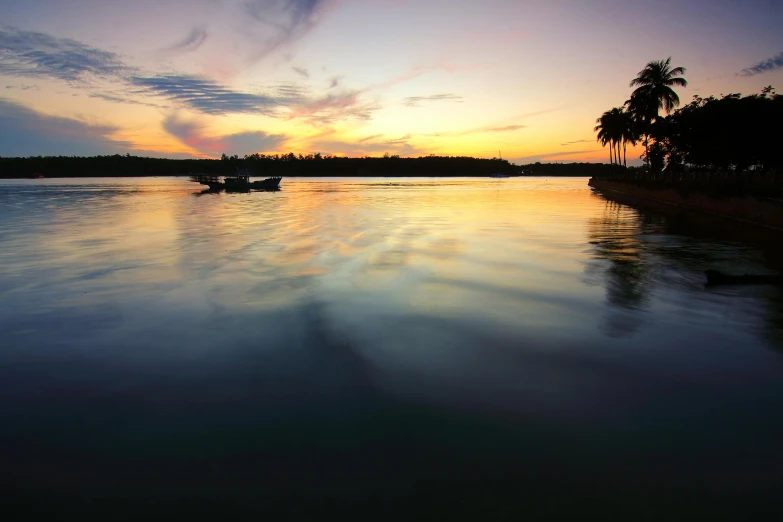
x=234, y=190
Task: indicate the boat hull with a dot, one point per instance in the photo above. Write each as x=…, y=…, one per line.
x=240, y=185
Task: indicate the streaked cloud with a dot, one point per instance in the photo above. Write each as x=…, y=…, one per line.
x=772, y=64
x=479, y=130
x=197, y=36
x=285, y=21
x=33, y=54
x=25, y=132
x=398, y=141
x=304, y=73
x=332, y=107
x=349, y=148
x=507, y=128
x=122, y=99
x=554, y=156
x=416, y=101
x=194, y=136
x=575, y=142
x=209, y=97
x=24, y=87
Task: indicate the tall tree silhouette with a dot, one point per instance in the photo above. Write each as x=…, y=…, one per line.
x=628, y=131
x=611, y=130
x=654, y=92
x=604, y=129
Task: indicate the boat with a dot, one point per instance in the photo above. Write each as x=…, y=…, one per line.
x=240, y=182
x=716, y=277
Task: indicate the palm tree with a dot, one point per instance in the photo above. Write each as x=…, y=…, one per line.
x=604, y=131
x=616, y=129
x=611, y=130
x=655, y=82
x=627, y=131
x=654, y=92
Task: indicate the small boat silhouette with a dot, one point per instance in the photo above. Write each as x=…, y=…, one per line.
x=238, y=183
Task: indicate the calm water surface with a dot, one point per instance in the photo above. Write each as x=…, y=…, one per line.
x=443, y=348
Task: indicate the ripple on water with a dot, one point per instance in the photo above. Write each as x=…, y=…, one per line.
x=460, y=329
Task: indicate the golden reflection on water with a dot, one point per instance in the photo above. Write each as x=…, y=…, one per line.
x=464, y=330
x=529, y=255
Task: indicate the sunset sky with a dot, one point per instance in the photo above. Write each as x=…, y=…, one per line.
x=196, y=78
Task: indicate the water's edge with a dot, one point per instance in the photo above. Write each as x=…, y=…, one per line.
x=749, y=210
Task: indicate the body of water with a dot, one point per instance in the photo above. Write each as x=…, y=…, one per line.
x=379, y=349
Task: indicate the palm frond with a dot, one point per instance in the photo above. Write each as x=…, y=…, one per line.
x=679, y=82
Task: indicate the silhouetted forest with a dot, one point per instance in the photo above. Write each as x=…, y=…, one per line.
x=730, y=133
x=283, y=165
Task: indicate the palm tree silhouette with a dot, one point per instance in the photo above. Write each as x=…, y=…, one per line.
x=628, y=132
x=604, y=133
x=615, y=128
x=654, y=92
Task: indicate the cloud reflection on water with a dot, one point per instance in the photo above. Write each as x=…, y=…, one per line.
x=344, y=328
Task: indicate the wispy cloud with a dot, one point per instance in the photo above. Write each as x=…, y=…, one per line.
x=398, y=141
x=121, y=99
x=25, y=132
x=32, y=54
x=370, y=138
x=197, y=36
x=334, y=82
x=479, y=130
x=24, y=87
x=26, y=53
x=210, y=97
x=575, y=142
x=287, y=20
x=507, y=128
x=335, y=106
x=301, y=71
x=554, y=156
x=401, y=147
x=772, y=64
x=416, y=101
x=194, y=135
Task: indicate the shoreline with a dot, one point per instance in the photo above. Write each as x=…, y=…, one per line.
x=747, y=210
x=472, y=176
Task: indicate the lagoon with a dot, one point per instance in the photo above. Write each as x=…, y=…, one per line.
x=379, y=348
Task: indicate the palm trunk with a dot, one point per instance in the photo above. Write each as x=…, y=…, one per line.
x=611, y=158
x=625, y=146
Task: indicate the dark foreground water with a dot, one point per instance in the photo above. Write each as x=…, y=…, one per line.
x=378, y=349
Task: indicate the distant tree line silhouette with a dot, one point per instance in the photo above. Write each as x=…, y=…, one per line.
x=731, y=133
x=279, y=165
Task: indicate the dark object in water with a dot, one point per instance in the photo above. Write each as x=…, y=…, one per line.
x=238, y=183
x=715, y=277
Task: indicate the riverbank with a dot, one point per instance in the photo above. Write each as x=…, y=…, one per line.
x=754, y=210
x=287, y=165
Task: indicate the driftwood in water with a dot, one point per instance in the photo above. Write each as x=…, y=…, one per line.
x=715, y=277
